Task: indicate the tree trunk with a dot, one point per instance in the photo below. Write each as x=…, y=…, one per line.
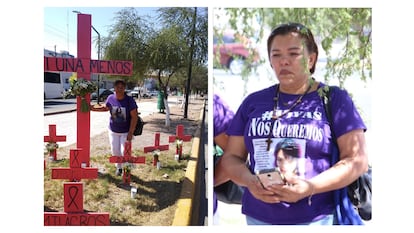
x=167, y=113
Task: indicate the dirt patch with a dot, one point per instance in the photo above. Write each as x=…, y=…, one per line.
x=157, y=189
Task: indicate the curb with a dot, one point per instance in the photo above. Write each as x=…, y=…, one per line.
x=59, y=112
x=185, y=204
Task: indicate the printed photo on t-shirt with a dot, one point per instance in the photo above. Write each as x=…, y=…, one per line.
x=118, y=114
x=285, y=154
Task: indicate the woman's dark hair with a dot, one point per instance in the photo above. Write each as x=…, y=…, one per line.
x=303, y=32
x=119, y=81
x=288, y=146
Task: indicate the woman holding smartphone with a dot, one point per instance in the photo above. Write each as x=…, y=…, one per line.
x=293, y=109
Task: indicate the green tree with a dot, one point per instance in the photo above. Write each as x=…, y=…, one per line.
x=199, y=79
x=183, y=18
x=352, y=26
x=127, y=40
x=166, y=55
x=193, y=26
x=176, y=39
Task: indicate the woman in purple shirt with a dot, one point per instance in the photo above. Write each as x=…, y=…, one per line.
x=123, y=118
x=293, y=109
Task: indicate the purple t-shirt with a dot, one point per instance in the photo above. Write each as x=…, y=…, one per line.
x=222, y=116
x=308, y=129
x=119, y=111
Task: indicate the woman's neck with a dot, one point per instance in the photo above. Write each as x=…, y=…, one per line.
x=120, y=96
x=297, y=88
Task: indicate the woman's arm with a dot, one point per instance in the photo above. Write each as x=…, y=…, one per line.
x=353, y=162
x=221, y=140
x=233, y=161
x=99, y=107
x=234, y=166
x=134, y=120
x=219, y=175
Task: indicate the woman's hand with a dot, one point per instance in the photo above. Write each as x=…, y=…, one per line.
x=99, y=107
x=259, y=192
x=295, y=190
x=129, y=136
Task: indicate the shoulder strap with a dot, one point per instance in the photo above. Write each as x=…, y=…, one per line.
x=326, y=99
x=344, y=210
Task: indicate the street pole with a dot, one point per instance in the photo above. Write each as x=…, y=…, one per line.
x=190, y=64
x=99, y=58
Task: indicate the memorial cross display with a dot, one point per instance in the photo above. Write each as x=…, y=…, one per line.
x=83, y=65
x=127, y=158
x=79, y=169
x=156, y=147
x=179, y=134
x=52, y=138
x=179, y=138
x=73, y=213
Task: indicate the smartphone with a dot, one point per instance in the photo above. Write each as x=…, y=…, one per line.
x=269, y=177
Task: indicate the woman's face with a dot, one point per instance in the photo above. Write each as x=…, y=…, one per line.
x=119, y=89
x=289, y=59
x=286, y=163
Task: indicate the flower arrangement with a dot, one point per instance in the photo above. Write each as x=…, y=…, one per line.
x=178, y=143
x=127, y=168
x=179, y=147
x=155, y=154
x=80, y=87
x=51, y=146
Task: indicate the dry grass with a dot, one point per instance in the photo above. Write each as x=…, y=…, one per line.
x=155, y=203
x=156, y=196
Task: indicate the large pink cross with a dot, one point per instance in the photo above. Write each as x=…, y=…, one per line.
x=53, y=138
x=84, y=66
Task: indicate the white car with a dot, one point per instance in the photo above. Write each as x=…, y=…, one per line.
x=135, y=92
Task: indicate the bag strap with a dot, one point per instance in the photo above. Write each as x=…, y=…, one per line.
x=326, y=99
x=345, y=214
x=327, y=106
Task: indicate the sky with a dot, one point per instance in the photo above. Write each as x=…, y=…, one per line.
x=60, y=25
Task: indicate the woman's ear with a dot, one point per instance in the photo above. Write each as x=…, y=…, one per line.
x=312, y=59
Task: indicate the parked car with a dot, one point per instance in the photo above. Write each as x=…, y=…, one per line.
x=128, y=92
x=234, y=50
x=103, y=94
x=135, y=92
x=146, y=95
x=153, y=93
